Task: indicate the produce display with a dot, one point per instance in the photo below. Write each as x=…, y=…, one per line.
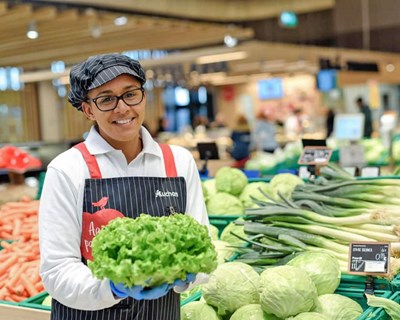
x=19, y=257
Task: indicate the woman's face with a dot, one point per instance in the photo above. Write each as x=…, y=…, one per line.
x=122, y=124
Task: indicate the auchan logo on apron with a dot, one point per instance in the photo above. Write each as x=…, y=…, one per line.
x=92, y=224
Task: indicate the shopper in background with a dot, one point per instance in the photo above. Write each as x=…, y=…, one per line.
x=119, y=160
x=294, y=125
x=330, y=120
x=366, y=111
x=241, y=141
x=263, y=136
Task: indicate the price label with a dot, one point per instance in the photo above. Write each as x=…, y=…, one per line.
x=315, y=155
x=369, y=258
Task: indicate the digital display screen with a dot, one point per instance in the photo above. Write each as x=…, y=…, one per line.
x=270, y=89
x=327, y=80
x=349, y=126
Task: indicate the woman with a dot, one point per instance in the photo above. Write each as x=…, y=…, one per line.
x=121, y=162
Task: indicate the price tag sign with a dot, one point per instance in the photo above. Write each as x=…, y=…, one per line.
x=315, y=155
x=369, y=258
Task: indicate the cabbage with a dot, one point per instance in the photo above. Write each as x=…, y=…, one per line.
x=323, y=268
x=284, y=183
x=252, y=312
x=287, y=291
x=189, y=293
x=205, y=191
x=252, y=190
x=231, y=286
x=396, y=150
x=338, y=307
x=198, y=310
x=230, y=180
x=310, y=316
x=227, y=236
x=209, y=185
x=224, y=252
x=47, y=301
x=214, y=232
x=151, y=250
x=224, y=204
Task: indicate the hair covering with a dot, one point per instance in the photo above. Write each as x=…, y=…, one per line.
x=98, y=70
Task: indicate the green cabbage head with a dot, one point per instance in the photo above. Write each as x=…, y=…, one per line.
x=284, y=183
x=227, y=236
x=214, y=232
x=323, y=268
x=287, y=291
x=230, y=180
x=252, y=312
x=209, y=186
x=198, y=310
x=310, y=316
x=253, y=190
x=338, y=307
x=224, y=204
x=231, y=286
x=224, y=251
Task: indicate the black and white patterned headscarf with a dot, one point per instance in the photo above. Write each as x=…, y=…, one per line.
x=96, y=71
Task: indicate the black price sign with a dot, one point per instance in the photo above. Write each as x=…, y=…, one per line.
x=369, y=258
x=315, y=155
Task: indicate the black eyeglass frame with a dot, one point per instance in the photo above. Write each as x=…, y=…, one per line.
x=120, y=97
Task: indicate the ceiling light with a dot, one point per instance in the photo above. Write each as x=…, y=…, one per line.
x=120, y=21
x=32, y=32
x=390, y=67
x=238, y=55
x=230, y=41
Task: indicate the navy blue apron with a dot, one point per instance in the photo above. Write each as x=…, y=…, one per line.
x=105, y=199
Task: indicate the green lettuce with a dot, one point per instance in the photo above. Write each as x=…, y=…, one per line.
x=230, y=180
x=149, y=250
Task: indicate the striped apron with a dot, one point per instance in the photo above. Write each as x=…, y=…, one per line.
x=157, y=196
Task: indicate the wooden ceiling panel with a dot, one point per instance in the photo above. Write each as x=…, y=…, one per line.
x=67, y=34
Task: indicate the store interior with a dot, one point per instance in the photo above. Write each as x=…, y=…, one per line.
x=298, y=65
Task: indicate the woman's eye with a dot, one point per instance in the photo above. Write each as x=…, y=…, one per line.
x=106, y=99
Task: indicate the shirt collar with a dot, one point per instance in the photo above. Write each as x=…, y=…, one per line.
x=97, y=145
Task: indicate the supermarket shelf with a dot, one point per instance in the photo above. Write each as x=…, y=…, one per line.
x=8, y=312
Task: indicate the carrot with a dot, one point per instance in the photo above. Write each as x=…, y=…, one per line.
x=7, y=264
x=26, y=282
x=17, y=298
x=17, y=227
x=39, y=286
x=15, y=277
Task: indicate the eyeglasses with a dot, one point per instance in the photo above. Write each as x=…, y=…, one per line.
x=108, y=103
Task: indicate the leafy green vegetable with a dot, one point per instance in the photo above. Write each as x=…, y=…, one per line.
x=226, y=234
x=198, y=310
x=252, y=312
x=230, y=180
x=338, y=307
x=224, y=251
x=323, y=268
x=287, y=291
x=224, y=204
x=209, y=185
x=252, y=190
x=214, y=232
x=284, y=183
x=47, y=301
x=231, y=286
x=151, y=250
x=391, y=307
x=310, y=316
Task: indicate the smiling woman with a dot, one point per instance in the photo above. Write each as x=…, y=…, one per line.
x=120, y=168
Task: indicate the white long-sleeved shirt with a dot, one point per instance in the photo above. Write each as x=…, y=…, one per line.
x=64, y=276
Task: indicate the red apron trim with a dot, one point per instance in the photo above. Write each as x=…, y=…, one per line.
x=90, y=160
x=169, y=161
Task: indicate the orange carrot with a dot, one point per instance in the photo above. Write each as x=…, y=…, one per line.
x=28, y=285
x=7, y=264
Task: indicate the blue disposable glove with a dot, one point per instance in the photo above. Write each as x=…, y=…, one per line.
x=147, y=293
x=140, y=292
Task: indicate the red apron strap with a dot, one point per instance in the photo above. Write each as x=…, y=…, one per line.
x=169, y=161
x=90, y=160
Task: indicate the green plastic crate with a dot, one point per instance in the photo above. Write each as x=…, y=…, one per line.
x=353, y=281
x=373, y=313
x=35, y=302
x=396, y=283
x=358, y=295
x=194, y=297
